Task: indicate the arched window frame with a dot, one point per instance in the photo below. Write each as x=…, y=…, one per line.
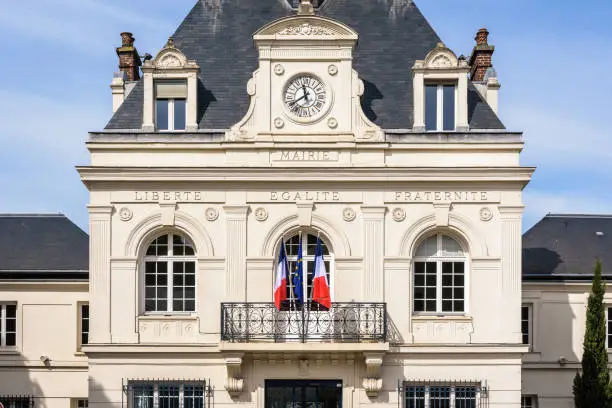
x=309, y=242
x=170, y=260
x=439, y=259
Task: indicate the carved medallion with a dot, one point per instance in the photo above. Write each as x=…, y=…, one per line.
x=279, y=69
x=170, y=61
x=398, y=214
x=486, y=214
x=332, y=69
x=306, y=29
x=332, y=123
x=125, y=214
x=212, y=214
x=279, y=123
x=348, y=214
x=261, y=214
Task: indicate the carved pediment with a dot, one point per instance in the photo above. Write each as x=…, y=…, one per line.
x=301, y=27
x=170, y=58
x=441, y=57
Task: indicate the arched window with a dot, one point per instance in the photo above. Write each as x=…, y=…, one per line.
x=439, y=276
x=170, y=275
x=309, y=245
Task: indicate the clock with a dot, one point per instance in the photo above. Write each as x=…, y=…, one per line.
x=306, y=97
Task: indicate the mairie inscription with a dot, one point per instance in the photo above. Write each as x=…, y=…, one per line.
x=305, y=156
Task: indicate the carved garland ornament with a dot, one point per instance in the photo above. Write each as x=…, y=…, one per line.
x=125, y=214
x=212, y=214
x=348, y=214
x=261, y=214
x=486, y=214
x=306, y=29
x=398, y=214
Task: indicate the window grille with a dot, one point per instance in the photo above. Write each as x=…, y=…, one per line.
x=529, y=401
x=158, y=393
x=17, y=401
x=442, y=394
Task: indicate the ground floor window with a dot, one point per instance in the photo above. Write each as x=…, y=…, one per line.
x=17, y=401
x=444, y=395
x=8, y=326
x=166, y=394
x=80, y=403
x=529, y=401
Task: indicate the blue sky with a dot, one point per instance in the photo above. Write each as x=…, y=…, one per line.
x=552, y=59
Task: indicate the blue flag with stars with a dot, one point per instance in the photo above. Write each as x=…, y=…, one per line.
x=298, y=276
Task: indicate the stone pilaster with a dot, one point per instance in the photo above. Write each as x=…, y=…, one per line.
x=236, y=251
x=373, y=252
x=99, y=273
x=511, y=267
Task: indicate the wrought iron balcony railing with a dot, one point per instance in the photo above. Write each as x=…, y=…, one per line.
x=344, y=322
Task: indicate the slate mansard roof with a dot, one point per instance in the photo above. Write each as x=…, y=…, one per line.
x=218, y=35
x=42, y=247
x=566, y=247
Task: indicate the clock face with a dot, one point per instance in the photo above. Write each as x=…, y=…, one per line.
x=305, y=96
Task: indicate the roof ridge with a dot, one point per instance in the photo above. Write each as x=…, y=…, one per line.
x=32, y=215
x=558, y=215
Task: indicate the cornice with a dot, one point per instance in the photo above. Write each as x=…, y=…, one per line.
x=520, y=175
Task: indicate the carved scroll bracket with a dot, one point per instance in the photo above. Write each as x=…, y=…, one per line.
x=234, y=384
x=372, y=383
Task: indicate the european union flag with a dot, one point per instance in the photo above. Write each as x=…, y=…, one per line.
x=298, y=276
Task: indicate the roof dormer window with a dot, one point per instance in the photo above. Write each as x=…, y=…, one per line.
x=440, y=84
x=171, y=105
x=440, y=107
x=170, y=92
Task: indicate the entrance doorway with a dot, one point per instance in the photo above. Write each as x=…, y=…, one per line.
x=303, y=394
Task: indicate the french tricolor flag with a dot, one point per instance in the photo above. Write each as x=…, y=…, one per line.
x=280, y=282
x=320, y=285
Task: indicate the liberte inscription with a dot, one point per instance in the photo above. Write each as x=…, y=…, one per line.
x=169, y=196
x=304, y=196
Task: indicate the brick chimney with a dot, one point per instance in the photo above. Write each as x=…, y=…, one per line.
x=482, y=56
x=129, y=60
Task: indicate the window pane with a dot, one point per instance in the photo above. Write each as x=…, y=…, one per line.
x=162, y=114
x=193, y=396
x=450, y=247
x=11, y=311
x=431, y=107
x=525, y=324
x=169, y=396
x=428, y=248
x=143, y=396
x=415, y=397
x=449, y=107
x=439, y=397
x=180, y=109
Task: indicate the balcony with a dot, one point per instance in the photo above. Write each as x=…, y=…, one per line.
x=343, y=323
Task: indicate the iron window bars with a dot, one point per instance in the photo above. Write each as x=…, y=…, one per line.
x=344, y=322
x=442, y=394
x=17, y=401
x=166, y=393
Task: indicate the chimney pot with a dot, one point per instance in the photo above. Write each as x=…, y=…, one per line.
x=482, y=37
x=127, y=39
x=482, y=56
x=129, y=60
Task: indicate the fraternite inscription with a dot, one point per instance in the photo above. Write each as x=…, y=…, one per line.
x=447, y=196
